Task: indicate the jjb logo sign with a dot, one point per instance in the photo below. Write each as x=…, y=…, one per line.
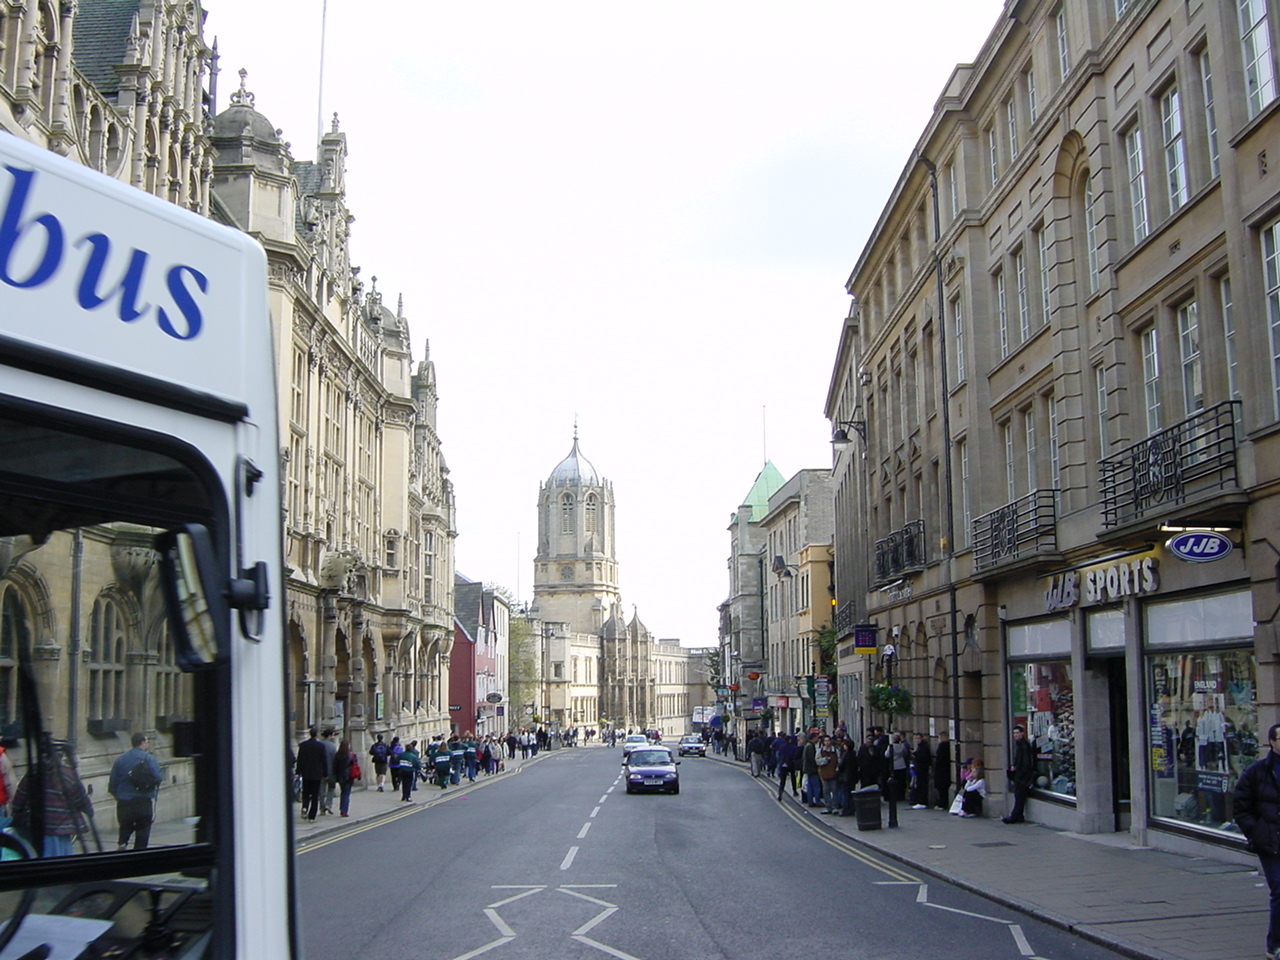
x=1199, y=546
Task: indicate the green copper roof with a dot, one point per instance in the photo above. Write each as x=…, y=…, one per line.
x=768, y=482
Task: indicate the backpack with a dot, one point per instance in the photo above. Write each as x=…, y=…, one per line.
x=379, y=752
x=142, y=778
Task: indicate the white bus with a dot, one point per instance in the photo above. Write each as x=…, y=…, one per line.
x=140, y=579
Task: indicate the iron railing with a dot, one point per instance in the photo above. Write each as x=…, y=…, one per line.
x=1176, y=465
x=1022, y=528
x=900, y=552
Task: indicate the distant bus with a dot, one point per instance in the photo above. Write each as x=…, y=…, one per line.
x=140, y=578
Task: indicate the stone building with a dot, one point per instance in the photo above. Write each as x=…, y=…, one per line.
x=369, y=514
x=597, y=668
x=780, y=591
x=129, y=88
x=1045, y=377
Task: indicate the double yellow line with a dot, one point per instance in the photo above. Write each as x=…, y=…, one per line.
x=842, y=843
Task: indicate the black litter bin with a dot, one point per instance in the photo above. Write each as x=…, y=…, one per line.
x=866, y=803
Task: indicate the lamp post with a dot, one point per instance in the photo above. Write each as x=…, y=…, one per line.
x=887, y=658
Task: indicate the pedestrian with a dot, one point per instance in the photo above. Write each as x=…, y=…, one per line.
x=975, y=790
x=311, y=766
x=134, y=781
x=1257, y=811
x=330, y=784
x=828, y=758
x=345, y=769
x=788, y=765
x=512, y=742
x=410, y=768
x=470, y=758
x=755, y=750
x=441, y=762
x=922, y=766
x=393, y=762
x=809, y=767
x=847, y=775
x=8, y=780
x=942, y=770
x=898, y=759
x=868, y=765
x=379, y=753
x=1022, y=772
x=67, y=807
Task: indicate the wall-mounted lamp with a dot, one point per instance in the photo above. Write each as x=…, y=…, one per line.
x=840, y=439
x=783, y=569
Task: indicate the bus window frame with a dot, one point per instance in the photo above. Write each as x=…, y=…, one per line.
x=214, y=761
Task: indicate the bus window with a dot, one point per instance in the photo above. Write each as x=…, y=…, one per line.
x=109, y=762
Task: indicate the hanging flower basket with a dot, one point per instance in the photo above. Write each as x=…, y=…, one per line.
x=889, y=699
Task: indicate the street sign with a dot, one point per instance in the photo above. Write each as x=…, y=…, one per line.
x=864, y=638
x=494, y=697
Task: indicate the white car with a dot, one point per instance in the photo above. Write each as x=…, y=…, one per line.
x=634, y=740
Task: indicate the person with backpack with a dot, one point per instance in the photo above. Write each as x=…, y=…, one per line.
x=379, y=753
x=135, y=782
x=393, y=761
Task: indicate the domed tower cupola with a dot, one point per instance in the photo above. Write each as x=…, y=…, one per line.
x=575, y=468
x=575, y=570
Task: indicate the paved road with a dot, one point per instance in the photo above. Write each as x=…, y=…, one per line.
x=556, y=862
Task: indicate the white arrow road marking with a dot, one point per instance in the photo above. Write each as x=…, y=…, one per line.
x=498, y=922
x=485, y=949
x=1021, y=940
x=528, y=891
x=595, y=921
x=572, y=890
x=568, y=859
x=609, y=950
x=967, y=913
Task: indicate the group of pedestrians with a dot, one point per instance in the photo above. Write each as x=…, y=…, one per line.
x=824, y=770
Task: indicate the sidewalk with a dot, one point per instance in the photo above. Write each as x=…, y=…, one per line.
x=1136, y=900
x=367, y=804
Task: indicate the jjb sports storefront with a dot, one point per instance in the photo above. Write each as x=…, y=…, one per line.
x=1136, y=678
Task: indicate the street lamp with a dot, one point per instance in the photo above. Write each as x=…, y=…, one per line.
x=887, y=657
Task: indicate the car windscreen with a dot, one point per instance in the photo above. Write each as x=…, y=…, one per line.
x=649, y=757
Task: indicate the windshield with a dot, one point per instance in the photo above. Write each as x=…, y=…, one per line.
x=641, y=758
x=97, y=719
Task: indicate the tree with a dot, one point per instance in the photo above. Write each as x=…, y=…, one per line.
x=524, y=677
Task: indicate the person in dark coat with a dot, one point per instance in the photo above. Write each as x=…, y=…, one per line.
x=922, y=765
x=1257, y=812
x=312, y=766
x=1022, y=772
x=868, y=764
x=942, y=771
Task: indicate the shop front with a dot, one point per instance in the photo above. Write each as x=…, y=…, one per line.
x=1136, y=679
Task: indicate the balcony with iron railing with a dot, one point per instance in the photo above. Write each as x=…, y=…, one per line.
x=1186, y=473
x=1023, y=532
x=901, y=552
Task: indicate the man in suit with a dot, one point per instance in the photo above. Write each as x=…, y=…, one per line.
x=312, y=766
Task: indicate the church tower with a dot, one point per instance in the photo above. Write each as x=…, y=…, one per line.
x=575, y=578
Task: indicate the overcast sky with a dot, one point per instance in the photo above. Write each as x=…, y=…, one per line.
x=640, y=215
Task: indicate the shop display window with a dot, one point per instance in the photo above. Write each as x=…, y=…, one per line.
x=1044, y=702
x=1203, y=719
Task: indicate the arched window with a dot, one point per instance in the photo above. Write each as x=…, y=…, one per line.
x=106, y=662
x=171, y=694
x=15, y=634
x=566, y=513
x=590, y=520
